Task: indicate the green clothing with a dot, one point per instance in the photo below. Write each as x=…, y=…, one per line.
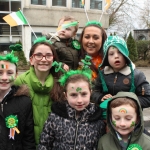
x=40, y=96
x=111, y=140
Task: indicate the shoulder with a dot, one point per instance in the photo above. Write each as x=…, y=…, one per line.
x=97, y=113
x=22, y=91
x=60, y=109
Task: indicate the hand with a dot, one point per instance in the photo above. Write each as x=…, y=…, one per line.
x=66, y=67
x=106, y=97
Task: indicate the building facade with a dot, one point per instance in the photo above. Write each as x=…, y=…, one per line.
x=43, y=17
x=142, y=34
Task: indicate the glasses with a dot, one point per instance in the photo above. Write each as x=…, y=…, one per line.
x=39, y=56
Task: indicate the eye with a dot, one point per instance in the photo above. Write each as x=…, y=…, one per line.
x=117, y=118
x=96, y=37
x=110, y=53
x=68, y=29
x=1, y=72
x=73, y=94
x=83, y=93
x=86, y=36
x=10, y=72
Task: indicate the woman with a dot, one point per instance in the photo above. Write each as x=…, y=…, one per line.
x=40, y=80
x=92, y=39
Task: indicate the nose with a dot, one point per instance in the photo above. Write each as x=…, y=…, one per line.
x=44, y=58
x=4, y=76
x=91, y=40
x=79, y=99
x=122, y=123
x=116, y=55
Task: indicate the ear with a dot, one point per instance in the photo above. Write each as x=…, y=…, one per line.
x=65, y=94
x=31, y=61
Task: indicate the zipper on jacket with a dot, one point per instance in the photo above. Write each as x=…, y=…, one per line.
x=78, y=122
x=143, y=91
x=115, y=80
x=2, y=107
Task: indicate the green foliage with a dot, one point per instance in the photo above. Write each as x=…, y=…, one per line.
x=143, y=49
x=21, y=56
x=131, y=44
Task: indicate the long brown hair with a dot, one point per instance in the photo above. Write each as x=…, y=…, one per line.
x=83, y=52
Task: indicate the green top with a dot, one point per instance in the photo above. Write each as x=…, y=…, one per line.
x=40, y=96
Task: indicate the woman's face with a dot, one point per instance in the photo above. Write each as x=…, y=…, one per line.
x=45, y=63
x=92, y=40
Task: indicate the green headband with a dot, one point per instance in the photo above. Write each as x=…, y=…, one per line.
x=10, y=57
x=63, y=79
x=93, y=23
x=42, y=39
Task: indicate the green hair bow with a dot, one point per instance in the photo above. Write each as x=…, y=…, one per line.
x=93, y=22
x=10, y=57
x=42, y=39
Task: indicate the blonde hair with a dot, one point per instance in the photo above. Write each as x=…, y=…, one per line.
x=69, y=18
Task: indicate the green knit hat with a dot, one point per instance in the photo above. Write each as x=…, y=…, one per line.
x=121, y=45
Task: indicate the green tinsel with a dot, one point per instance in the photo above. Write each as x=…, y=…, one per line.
x=42, y=39
x=93, y=22
x=68, y=74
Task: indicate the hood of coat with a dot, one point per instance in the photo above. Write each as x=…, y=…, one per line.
x=63, y=109
x=139, y=127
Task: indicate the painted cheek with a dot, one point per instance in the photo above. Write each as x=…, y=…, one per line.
x=114, y=123
x=132, y=124
x=11, y=79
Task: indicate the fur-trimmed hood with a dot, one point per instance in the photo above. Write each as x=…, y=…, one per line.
x=63, y=109
x=21, y=90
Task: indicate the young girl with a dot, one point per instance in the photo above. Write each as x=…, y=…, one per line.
x=16, y=116
x=74, y=123
x=119, y=74
x=125, y=122
x=41, y=81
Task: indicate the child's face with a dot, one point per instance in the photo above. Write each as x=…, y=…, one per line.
x=124, y=119
x=92, y=40
x=66, y=33
x=78, y=95
x=44, y=64
x=7, y=75
x=116, y=59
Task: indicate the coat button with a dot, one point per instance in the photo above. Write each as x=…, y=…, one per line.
x=6, y=103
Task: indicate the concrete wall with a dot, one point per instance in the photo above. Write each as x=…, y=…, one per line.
x=142, y=32
x=45, y=18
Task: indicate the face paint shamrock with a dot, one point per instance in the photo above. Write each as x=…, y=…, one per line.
x=114, y=123
x=78, y=89
x=132, y=124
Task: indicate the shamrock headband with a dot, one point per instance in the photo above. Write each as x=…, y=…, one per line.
x=10, y=57
x=93, y=23
x=42, y=39
x=86, y=71
x=63, y=79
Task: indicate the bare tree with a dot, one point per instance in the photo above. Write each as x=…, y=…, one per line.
x=145, y=14
x=122, y=14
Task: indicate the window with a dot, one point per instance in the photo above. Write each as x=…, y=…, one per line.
x=59, y=3
x=4, y=5
x=96, y=4
x=38, y=2
x=77, y=4
x=142, y=37
x=38, y=34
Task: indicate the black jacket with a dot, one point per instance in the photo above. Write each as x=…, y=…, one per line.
x=17, y=103
x=64, y=131
x=66, y=53
x=121, y=81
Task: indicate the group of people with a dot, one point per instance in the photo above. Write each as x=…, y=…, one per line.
x=45, y=109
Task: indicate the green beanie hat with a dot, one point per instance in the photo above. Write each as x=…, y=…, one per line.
x=121, y=45
x=117, y=42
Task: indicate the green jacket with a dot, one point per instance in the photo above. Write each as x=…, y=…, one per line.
x=40, y=96
x=110, y=140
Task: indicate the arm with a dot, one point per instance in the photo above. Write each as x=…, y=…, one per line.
x=100, y=147
x=97, y=92
x=48, y=135
x=142, y=89
x=28, y=135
